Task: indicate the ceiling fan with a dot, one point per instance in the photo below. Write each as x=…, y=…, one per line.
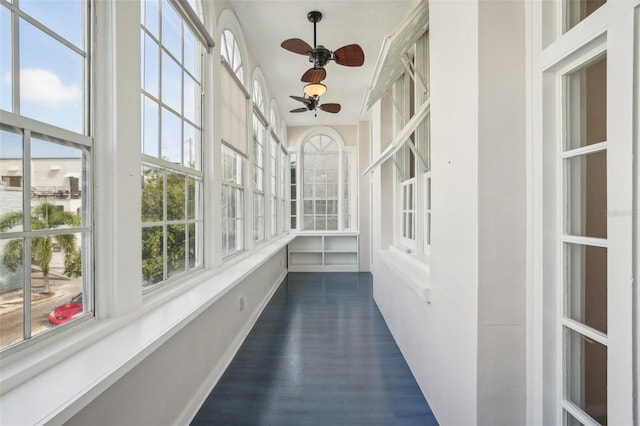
x=312, y=104
x=350, y=55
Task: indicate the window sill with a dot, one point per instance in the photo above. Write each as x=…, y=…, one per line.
x=97, y=353
x=416, y=274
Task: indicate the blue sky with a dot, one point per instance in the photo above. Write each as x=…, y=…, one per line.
x=51, y=74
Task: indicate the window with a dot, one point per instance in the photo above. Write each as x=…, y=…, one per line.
x=171, y=174
x=320, y=189
x=259, y=135
x=231, y=53
x=45, y=233
x=232, y=203
x=282, y=190
x=293, y=158
x=273, y=189
x=12, y=181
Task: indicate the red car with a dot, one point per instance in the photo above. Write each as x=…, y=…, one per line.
x=67, y=312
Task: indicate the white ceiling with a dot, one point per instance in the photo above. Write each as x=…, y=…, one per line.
x=266, y=23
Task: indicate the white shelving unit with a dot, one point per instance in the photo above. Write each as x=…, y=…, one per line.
x=324, y=252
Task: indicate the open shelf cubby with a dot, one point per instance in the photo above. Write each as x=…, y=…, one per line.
x=324, y=252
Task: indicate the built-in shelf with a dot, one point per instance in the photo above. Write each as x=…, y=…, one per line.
x=324, y=252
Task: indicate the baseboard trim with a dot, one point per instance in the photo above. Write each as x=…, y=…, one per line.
x=212, y=379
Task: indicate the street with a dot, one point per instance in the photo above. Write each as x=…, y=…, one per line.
x=62, y=290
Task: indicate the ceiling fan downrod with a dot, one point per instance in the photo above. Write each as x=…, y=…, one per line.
x=315, y=17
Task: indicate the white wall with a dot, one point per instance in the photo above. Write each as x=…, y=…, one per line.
x=364, y=197
x=170, y=384
x=501, y=214
x=466, y=348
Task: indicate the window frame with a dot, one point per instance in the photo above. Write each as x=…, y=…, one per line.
x=193, y=173
x=342, y=181
x=28, y=128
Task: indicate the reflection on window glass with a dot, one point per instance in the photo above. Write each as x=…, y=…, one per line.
x=51, y=80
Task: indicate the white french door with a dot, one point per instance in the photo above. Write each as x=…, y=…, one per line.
x=584, y=76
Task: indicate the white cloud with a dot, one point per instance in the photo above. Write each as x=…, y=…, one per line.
x=45, y=88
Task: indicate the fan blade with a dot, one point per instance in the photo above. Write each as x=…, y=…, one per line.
x=332, y=108
x=301, y=99
x=296, y=45
x=299, y=110
x=351, y=55
x=314, y=75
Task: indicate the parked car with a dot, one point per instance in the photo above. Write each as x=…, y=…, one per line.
x=67, y=312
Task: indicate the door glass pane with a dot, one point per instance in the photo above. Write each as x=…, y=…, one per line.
x=578, y=10
x=586, y=363
x=586, y=212
x=587, y=108
x=586, y=278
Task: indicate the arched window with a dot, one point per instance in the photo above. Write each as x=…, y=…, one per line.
x=235, y=148
x=231, y=53
x=322, y=201
x=257, y=96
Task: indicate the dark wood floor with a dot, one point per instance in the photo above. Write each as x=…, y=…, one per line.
x=320, y=354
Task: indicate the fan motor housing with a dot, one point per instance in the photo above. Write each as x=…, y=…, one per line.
x=320, y=56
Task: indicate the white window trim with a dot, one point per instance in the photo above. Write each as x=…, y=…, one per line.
x=401, y=139
x=549, y=51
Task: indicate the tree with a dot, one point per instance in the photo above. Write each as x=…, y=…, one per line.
x=43, y=216
x=155, y=199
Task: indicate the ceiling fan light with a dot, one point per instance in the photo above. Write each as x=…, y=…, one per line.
x=315, y=90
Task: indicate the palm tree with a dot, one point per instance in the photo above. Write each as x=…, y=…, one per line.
x=44, y=216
